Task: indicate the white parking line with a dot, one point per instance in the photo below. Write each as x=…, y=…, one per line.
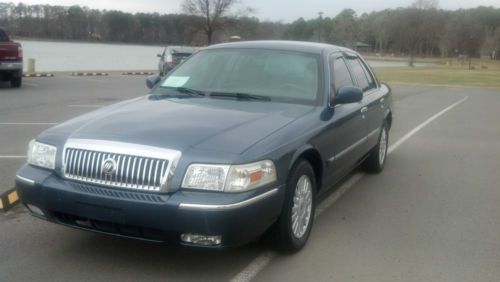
x=262, y=260
x=31, y=84
x=85, y=106
x=422, y=125
x=28, y=123
x=12, y=157
x=88, y=79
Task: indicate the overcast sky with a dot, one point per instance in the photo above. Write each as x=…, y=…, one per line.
x=276, y=10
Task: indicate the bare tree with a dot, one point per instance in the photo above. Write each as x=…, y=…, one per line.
x=211, y=11
x=425, y=4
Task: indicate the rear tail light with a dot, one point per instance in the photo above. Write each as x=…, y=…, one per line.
x=20, y=52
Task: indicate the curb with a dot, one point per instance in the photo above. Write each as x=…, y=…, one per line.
x=38, y=75
x=8, y=200
x=138, y=73
x=89, y=74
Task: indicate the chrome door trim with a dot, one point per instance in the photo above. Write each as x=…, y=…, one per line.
x=353, y=146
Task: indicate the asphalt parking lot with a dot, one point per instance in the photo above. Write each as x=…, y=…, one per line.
x=432, y=215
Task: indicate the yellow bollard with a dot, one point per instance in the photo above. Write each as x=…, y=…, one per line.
x=31, y=65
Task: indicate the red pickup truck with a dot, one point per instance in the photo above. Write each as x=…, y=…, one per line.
x=11, y=60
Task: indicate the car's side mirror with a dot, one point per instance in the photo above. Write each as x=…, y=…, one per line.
x=152, y=81
x=347, y=95
x=159, y=55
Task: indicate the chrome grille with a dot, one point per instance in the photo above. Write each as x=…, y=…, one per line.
x=106, y=164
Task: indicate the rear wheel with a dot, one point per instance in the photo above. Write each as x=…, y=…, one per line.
x=375, y=162
x=16, y=82
x=294, y=225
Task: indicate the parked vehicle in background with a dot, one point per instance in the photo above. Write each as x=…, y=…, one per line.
x=11, y=60
x=172, y=56
x=238, y=140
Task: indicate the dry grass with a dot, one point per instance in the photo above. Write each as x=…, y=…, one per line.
x=484, y=73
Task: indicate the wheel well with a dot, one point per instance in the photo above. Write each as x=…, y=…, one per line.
x=388, y=118
x=314, y=158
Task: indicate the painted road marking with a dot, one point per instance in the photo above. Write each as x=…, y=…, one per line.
x=31, y=84
x=422, y=125
x=262, y=260
x=87, y=79
x=86, y=106
x=12, y=157
x=28, y=123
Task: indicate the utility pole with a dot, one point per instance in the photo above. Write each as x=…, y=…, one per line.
x=320, y=25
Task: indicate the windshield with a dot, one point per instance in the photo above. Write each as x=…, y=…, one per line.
x=280, y=75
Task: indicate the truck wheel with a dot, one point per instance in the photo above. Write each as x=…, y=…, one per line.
x=16, y=82
x=375, y=162
x=294, y=225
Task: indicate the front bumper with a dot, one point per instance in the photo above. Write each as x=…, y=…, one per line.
x=238, y=218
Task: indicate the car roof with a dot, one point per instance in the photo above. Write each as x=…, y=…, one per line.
x=299, y=46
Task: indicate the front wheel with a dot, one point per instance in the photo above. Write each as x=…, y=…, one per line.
x=375, y=162
x=294, y=225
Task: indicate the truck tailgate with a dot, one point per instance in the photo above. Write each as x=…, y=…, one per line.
x=8, y=51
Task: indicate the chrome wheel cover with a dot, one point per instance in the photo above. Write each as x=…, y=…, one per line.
x=302, y=206
x=382, y=147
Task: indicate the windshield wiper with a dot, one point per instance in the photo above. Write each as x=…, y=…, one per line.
x=192, y=92
x=185, y=90
x=240, y=95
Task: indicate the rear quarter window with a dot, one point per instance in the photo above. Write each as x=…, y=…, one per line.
x=365, y=80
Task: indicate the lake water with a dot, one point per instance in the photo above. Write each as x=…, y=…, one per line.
x=71, y=56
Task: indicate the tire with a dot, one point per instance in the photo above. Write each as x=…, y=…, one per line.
x=16, y=82
x=375, y=162
x=289, y=236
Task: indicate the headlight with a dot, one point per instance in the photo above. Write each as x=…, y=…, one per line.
x=42, y=155
x=235, y=178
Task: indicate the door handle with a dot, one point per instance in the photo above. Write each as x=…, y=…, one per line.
x=364, y=110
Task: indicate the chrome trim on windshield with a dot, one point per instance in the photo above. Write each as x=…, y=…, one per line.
x=202, y=207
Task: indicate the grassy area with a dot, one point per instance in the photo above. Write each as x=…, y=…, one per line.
x=485, y=73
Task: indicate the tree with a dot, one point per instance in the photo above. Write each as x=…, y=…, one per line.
x=300, y=30
x=210, y=11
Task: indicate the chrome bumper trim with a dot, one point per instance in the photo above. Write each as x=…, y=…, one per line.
x=201, y=207
x=25, y=180
x=8, y=65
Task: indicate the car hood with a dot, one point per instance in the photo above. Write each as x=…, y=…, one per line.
x=225, y=125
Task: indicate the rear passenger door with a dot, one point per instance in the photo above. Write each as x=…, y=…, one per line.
x=348, y=127
x=373, y=97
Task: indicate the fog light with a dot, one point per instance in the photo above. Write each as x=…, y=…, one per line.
x=36, y=210
x=202, y=240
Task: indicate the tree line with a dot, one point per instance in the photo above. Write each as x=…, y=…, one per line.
x=419, y=30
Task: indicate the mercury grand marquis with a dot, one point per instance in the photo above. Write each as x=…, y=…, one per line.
x=236, y=142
